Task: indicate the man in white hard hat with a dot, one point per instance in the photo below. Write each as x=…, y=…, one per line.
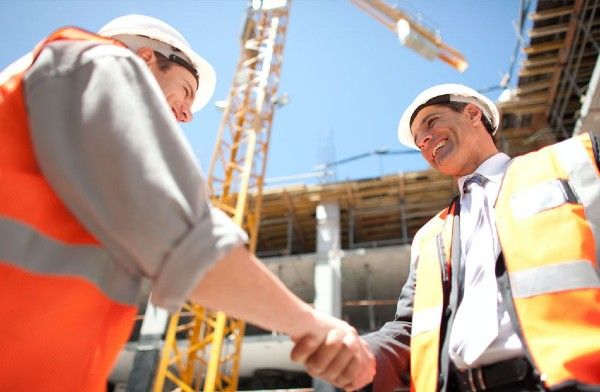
x=501, y=278
x=99, y=190
x=168, y=48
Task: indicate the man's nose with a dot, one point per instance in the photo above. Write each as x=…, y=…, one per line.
x=422, y=140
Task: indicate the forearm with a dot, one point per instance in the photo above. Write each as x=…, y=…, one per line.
x=241, y=286
x=390, y=346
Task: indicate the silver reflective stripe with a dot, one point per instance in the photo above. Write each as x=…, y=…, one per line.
x=23, y=247
x=541, y=197
x=570, y=275
x=584, y=179
x=426, y=320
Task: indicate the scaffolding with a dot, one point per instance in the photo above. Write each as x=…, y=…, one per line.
x=579, y=59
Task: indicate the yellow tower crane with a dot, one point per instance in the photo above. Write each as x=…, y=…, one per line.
x=210, y=358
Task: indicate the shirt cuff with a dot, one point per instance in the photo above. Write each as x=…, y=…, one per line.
x=204, y=245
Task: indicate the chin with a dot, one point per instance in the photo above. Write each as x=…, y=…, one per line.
x=445, y=170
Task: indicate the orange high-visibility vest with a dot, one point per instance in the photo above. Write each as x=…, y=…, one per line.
x=61, y=330
x=433, y=270
x=548, y=221
x=555, y=288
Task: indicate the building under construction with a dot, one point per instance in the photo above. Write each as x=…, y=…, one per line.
x=345, y=246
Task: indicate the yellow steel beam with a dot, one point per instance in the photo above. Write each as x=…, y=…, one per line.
x=215, y=353
x=389, y=16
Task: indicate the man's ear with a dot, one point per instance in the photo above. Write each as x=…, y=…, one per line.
x=472, y=111
x=146, y=53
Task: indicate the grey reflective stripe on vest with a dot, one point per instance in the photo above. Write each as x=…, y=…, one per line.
x=570, y=275
x=23, y=247
x=584, y=179
x=541, y=197
x=426, y=320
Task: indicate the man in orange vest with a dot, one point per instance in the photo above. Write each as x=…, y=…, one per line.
x=99, y=190
x=504, y=286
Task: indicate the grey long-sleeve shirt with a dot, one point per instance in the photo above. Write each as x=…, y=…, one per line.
x=112, y=150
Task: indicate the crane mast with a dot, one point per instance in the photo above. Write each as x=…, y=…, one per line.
x=210, y=358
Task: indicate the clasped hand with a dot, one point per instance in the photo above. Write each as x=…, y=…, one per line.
x=335, y=353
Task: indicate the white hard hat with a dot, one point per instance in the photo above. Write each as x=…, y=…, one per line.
x=137, y=31
x=443, y=93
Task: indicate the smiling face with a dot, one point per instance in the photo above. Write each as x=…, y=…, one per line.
x=177, y=84
x=454, y=143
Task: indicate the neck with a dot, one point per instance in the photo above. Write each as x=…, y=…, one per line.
x=475, y=165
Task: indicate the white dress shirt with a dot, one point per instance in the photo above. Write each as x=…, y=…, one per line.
x=507, y=344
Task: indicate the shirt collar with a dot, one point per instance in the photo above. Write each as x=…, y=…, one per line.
x=492, y=168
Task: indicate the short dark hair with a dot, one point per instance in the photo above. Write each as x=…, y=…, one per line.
x=460, y=106
x=162, y=61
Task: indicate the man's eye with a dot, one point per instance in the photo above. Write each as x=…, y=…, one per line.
x=431, y=121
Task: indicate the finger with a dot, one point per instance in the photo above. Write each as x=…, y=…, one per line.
x=359, y=372
x=347, y=379
x=349, y=349
x=319, y=361
x=304, y=348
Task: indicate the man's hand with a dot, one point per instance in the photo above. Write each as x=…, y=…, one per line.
x=341, y=358
x=328, y=347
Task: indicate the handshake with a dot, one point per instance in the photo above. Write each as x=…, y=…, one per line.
x=334, y=352
x=329, y=348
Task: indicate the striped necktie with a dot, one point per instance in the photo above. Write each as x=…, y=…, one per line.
x=476, y=323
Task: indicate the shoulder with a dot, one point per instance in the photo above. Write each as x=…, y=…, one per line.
x=428, y=227
x=566, y=151
x=427, y=230
x=434, y=224
x=64, y=57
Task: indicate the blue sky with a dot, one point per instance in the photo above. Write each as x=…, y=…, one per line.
x=348, y=77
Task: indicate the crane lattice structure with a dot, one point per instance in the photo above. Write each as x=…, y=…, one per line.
x=210, y=358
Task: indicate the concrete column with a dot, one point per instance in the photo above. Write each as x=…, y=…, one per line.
x=328, y=281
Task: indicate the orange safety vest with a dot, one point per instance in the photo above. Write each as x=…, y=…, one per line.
x=548, y=199
x=62, y=327
x=432, y=279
